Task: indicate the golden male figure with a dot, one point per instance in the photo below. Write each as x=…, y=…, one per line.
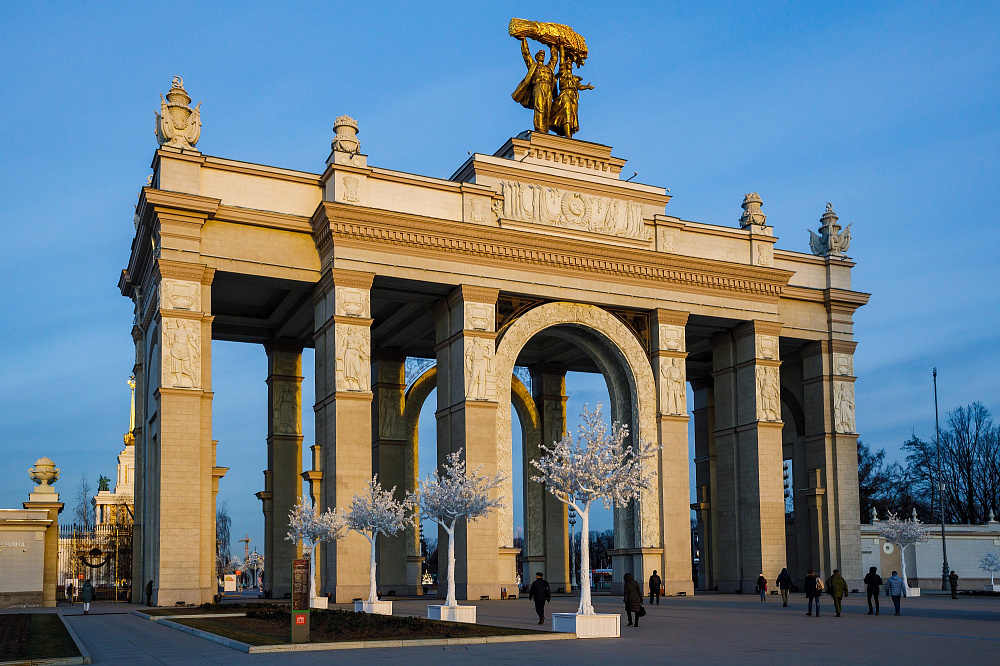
x=537, y=89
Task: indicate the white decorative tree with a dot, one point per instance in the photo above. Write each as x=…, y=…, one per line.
x=376, y=512
x=449, y=497
x=903, y=533
x=597, y=467
x=990, y=563
x=308, y=526
x=256, y=562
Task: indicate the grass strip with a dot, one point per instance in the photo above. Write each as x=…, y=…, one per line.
x=34, y=636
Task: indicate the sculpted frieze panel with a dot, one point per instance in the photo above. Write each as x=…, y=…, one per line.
x=353, y=302
x=672, y=337
x=843, y=406
x=391, y=424
x=287, y=409
x=673, y=394
x=180, y=294
x=843, y=364
x=181, y=353
x=480, y=380
x=551, y=206
x=768, y=394
x=480, y=316
x=767, y=347
x=353, y=357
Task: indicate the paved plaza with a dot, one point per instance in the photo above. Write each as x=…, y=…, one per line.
x=708, y=629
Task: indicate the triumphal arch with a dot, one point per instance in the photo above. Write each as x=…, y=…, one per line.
x=534, y=255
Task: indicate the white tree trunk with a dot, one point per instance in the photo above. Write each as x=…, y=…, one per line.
x=902, y=566
x=372, y=592
x=450, y=600
x=312, y=572
x=586, y=607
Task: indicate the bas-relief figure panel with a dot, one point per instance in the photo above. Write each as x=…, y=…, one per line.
x=287, y=409
x=553, y=207
x=673, y=396
x=767, y=347
x=391, y=424
x=181, y=353
x=768, y=394
x=480, y=316
x=353, y=357
x=353, y=302
x=843, y=364
x=843, y=406
x=180, y=294
x=480, y=380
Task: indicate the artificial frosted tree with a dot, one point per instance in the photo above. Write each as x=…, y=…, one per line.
x=596, y=467
x=990, y=563
x=375, y=512
x=310, y=528
x=452, y=494
x=903, y=533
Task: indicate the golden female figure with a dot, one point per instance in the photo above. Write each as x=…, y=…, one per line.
x=566, y=111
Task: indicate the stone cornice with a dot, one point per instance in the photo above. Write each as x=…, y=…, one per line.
x=332, y=222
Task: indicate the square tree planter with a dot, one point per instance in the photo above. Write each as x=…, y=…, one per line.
x=913, y=592
x=601, y=625
x=373, y=607
x=318, y=602
x=991, y=588
x=452, y=613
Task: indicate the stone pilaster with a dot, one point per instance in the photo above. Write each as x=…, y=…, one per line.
x=465, y=329
x=139, y=576
x=546, y=518
x=284, y=457
x=342, y=316
x=750, y=503
x=389, y=452
x=47, y=500
x=314, y=477
x=705, y=479
x=669, y=354
x=831, y=458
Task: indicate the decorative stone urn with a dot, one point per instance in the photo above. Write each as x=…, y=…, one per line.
x=44, y=473
x=452, y=613
x=373, y=607
x=346, y=139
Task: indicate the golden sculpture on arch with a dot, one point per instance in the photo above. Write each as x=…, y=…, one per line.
x=558, y=111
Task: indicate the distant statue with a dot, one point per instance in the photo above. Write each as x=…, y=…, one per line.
x=565, y=118
x=102, y=484
x=537, y=89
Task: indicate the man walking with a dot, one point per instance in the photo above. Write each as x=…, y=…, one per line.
x=953, y=580
x=654, y=588
x=814, y=588
x=873, y=585
x=539, y=591
x=837, y=588
x=895, y=589
x=784, y=581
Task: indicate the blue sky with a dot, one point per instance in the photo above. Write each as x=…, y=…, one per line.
x=888, y=110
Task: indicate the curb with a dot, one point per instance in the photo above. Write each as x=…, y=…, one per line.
x=84, y=659
x=356, y=645
x=157, y=618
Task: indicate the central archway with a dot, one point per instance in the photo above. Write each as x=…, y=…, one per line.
x=631, y=385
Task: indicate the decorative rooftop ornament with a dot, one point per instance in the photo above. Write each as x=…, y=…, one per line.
x=831, y=241
x=44, y=473
x=346, y=135
x=177, y=124
x=555, y=110
x=752, y=215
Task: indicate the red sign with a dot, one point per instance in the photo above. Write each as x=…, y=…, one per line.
x=81, y=576
x=300, y=619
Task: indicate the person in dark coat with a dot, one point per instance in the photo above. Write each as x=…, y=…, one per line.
x=539, y=591
x=762, y=587
x=149, y=593
x=873, y=585
x=784, y=581
x=632, y=599
x=69, y=593
x=953, y=581
x=654, y=588
x=86, y=596
x=812, y=592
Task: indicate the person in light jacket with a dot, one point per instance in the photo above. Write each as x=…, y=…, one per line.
x=632, y=599
x=895, y=588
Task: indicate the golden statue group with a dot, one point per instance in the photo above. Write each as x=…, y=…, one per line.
x=555, y=109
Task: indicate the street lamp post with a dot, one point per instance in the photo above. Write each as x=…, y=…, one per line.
x=937, y=438
x=572, y=548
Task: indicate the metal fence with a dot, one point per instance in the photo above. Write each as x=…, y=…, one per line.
x=102, y=555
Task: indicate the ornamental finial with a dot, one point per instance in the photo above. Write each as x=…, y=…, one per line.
x=44, y=473
x=345, y=137
x=831, y=241
x=752, y=214
x=177, y=124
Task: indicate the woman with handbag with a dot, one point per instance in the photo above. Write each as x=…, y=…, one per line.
x=633, y=600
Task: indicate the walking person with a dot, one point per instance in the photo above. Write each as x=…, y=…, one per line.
x=69, y=593
x=86, y=596
x=633, y=600
x=953, y=581
x=895, y=588
x=784, y=581
x=149, y=593
x=539, y=591
x=654, y=588
x=762, y=587
x=873, y=586
x=836, y=587
x=814, y=588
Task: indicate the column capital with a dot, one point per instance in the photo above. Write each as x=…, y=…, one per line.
x=674, y=317
x=757, y=327
x=472, y=294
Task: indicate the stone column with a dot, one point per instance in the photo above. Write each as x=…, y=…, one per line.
x=139, y=576
x=465, y=325
x=46, y=499
x=284, y=458
x=180, y=513
x=551, y=527
x=389, y=451
x=831, y=463
x=669, y=354
x=750, y=502
x=342, y=307
x=705, y=479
